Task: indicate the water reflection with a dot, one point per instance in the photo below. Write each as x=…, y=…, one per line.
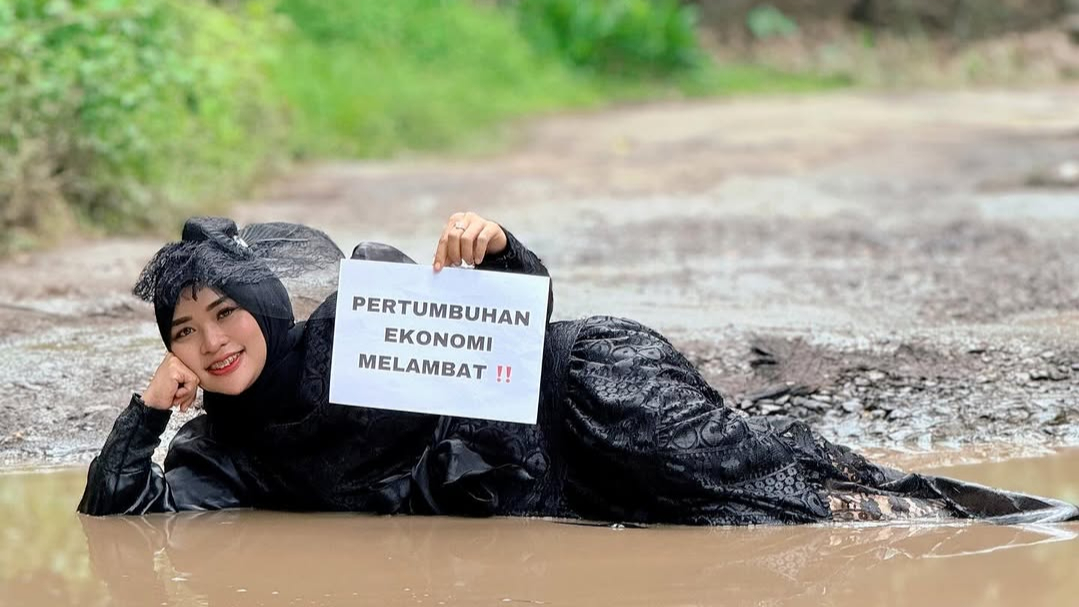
x=252, y=558
x=50, y=556
x=42, y=549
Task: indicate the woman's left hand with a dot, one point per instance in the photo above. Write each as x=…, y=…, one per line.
x=468, y=238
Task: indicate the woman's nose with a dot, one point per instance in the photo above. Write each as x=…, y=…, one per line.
x=213, y=339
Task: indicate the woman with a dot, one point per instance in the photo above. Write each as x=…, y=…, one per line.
x=628, y=430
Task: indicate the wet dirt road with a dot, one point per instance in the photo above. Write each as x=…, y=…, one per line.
x=899, y=270
x=52, y=557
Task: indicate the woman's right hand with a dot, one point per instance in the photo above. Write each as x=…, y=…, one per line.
x=173, y=385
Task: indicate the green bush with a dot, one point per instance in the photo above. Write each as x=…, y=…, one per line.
x=128, y=114
x=122, y=111
x=768, y=21
x=624, y=38
x=370, y=77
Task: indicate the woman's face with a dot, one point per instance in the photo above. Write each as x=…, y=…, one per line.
x=218, y=340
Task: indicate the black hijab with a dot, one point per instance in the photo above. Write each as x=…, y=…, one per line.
x=296, y=448
x=273, y=397
x=213, y=253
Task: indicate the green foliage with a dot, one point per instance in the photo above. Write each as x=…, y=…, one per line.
x=122, y=110
x=370, y=78
x=769, y=22
x=128, y=114
x=624, y=38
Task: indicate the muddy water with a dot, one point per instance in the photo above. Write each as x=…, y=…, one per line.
x=49, y=556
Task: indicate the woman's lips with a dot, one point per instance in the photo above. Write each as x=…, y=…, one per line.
x=229, y=368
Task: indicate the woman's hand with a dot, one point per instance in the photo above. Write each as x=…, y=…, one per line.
x=468, y=238
x=173, y=385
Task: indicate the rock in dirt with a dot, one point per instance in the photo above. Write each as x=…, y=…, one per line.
x=853, y=406
x=769, y=408
x=770, y=393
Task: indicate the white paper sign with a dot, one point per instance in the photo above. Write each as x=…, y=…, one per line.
x=459, y=342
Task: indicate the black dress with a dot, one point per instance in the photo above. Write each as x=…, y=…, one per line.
x=628, y=431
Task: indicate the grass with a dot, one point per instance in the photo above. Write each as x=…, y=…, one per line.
x=413, y=74
x=348, y=102
x=380, y=78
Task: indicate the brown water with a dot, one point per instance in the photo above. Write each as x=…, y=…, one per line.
x=49, y=556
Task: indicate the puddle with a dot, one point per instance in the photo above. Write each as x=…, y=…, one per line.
x=49, y=556
x=1049, y=206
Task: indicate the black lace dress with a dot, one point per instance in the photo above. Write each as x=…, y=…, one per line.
x=628, y=431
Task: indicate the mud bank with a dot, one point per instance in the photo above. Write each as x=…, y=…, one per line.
x=899, y=270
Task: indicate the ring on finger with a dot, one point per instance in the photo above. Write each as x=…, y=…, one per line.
x=459, y=225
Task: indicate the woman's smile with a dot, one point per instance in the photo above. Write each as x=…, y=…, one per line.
x=218, y=340
x=226, y=365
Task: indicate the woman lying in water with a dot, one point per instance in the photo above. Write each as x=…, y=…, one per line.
x=627, y=431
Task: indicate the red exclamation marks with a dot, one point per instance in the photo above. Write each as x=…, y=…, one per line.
x=508, y=369
x=500, y=373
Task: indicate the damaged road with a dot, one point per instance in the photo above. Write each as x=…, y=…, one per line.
x=901, y=271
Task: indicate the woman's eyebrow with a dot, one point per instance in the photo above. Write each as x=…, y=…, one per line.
x=216, y=303
x=183, y=319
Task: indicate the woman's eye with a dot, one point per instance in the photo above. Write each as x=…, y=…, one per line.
x=182, y=332
x=226, y=312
